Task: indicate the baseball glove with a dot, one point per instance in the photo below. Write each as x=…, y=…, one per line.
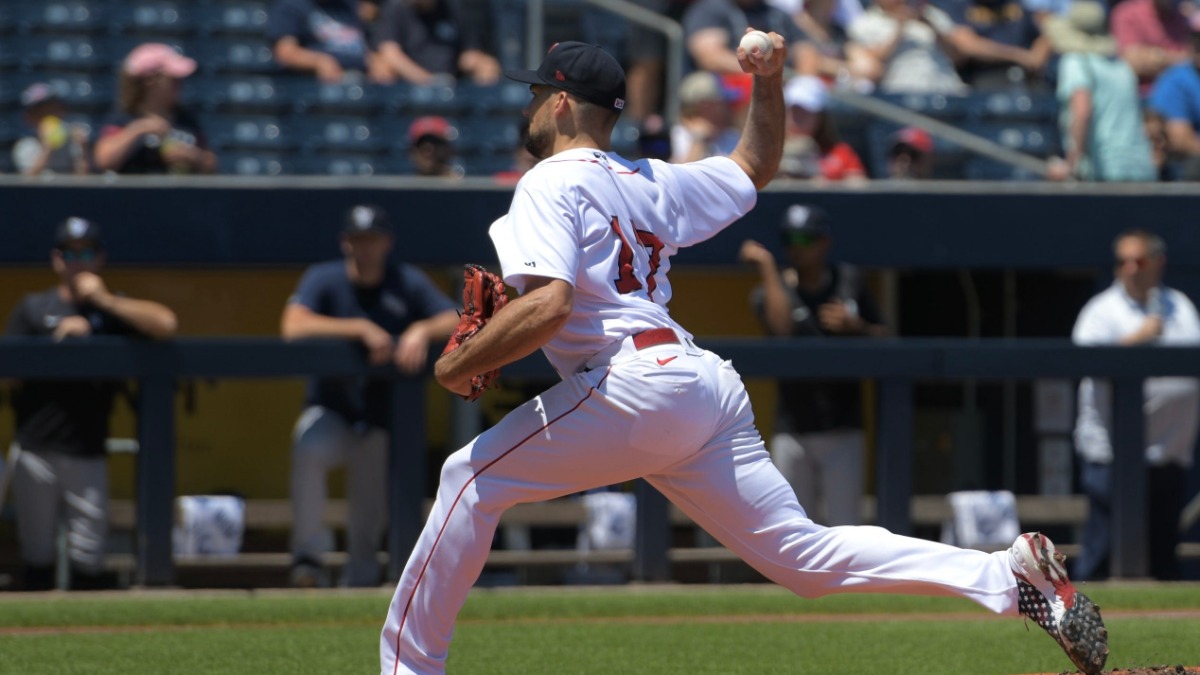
x=483, y=296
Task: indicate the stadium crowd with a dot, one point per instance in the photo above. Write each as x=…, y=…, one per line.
x=357, y=87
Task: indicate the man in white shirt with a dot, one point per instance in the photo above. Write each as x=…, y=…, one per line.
x=1137, y=310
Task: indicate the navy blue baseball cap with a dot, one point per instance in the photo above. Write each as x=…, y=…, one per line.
x=366, y=218
x=77, y=230
x=584, y=70
x=804, y=222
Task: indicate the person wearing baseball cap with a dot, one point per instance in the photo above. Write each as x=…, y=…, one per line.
x=431, y=147
x=818, y=443
x=396, y=312
x=910, y=154
x=150, y=132
x=60, y=473
x=52, y=144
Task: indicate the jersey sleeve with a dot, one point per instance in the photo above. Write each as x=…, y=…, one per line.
x=539, y=236
x=426, y=297
x=310, y=292
x=713, y=193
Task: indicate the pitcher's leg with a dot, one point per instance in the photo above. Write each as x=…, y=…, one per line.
x=734, y=491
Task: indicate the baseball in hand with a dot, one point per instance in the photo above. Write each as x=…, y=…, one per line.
x=759, y=39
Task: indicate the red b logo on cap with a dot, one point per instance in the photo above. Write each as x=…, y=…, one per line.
x=559, y=76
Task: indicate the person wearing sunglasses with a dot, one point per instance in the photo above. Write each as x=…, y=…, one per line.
x=1137, y=309
x=818, y=443
x=58, y=454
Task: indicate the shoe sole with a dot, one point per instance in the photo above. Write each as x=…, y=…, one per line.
x=1082, y=635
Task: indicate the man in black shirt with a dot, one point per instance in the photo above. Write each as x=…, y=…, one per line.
x=396, y=312
x=422, y=39
x=818, y=441
x=59, y=467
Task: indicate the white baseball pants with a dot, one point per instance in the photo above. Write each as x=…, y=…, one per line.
x=323, y=440
x=49, y=487
x=679, y=417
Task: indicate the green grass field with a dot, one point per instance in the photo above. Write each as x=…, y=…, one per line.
x=683, y=629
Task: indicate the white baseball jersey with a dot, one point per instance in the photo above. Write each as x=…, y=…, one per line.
x=609, y=226
x=662, y=409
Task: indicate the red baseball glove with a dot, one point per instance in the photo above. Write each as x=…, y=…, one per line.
x=483, y=296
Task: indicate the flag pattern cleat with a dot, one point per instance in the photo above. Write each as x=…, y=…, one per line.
x=1046, y=595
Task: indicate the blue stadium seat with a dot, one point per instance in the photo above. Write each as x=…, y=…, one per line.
x=81, y=92
x=485, y=136
x=1014, y=106
x=340, y=164
x=236, y=55
x=502, y=98
x=10, y=58
x=312, y=96
x=254, y=164
x=419, y=100
x=60, y=16
x=1040, y=140
x=340, y=134
x=246, y=94
x=154, y=17
x=625, y=139
x=938, y=106
x=486, y=165
x=65, y=52
x=248, y=132
x=9, y=95
x=233, y=18
x=8, y=20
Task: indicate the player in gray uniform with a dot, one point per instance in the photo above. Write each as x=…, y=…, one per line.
x=60, y=471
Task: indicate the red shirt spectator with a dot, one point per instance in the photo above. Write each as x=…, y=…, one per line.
x=841, y=162
x=1152, y=35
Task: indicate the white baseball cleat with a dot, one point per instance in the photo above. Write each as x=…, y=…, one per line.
x=1047, y=597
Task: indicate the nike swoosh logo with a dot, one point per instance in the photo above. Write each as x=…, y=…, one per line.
x=663, y=362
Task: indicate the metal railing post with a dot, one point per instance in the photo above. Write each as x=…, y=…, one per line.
x=653, y=535
x=155, y=480
x=893, y=482
x=406, y=471
x=1129, y=557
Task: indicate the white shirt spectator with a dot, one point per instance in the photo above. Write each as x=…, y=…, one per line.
x=1171, y=403
x=918, y=64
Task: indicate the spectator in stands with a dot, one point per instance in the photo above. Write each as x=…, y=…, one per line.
x=325, y=37
x=1137, y=310
x=910, y=155
x=827, y=51
x=998, y=43
x=150, y=132
x=713, y=28
x=705, y=127
x=431, y=147
x=818, y=442
x=55, y=146
x=1176, y=96
x=907, y=49
x=1102, y=127
x=811, y=146
x=60, y=473
x=397, y=313
x=420, y=40
x=1152, y=35
x=1156, y=132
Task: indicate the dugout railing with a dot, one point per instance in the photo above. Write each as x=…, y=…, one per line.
x=895, y=364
